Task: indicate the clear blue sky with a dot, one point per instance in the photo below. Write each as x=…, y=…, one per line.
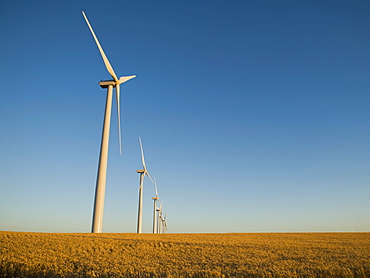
x=254, y=115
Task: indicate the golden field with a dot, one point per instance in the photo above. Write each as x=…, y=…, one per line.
x=185, y=255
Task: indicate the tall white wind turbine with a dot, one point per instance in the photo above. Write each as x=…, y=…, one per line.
x=97, y=223
x=155, y=199
x=142, y=173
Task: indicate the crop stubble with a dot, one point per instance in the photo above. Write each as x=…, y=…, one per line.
x=185, y=255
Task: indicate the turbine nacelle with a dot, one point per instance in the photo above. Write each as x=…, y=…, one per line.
x=106, y=83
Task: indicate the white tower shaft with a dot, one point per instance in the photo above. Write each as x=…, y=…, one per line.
x=140, y=209
x=97, y=223
x=155, y=216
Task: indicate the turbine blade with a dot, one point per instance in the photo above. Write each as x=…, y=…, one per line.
x=123, y=79
x=165, y=225
x=146, y=173
x=142, y=155
x=156, y=188
x=119, y=117
x=105, y=59
x=141, y=184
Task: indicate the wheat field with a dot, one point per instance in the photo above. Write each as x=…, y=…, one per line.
x=185, y=255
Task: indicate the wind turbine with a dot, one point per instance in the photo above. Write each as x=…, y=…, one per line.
x=155, y=199
x=164, y=223
x=97, y=223
x=142, y=173
x=159, y=218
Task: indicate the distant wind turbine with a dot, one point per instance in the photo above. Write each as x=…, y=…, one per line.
x=97, y=223
x=142, y=172
x=155, y=199
x=164, y=223
x=159, y=224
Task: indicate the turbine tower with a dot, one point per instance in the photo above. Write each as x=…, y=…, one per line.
x=97, y=223
x=142, y=173
x=155, y=199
